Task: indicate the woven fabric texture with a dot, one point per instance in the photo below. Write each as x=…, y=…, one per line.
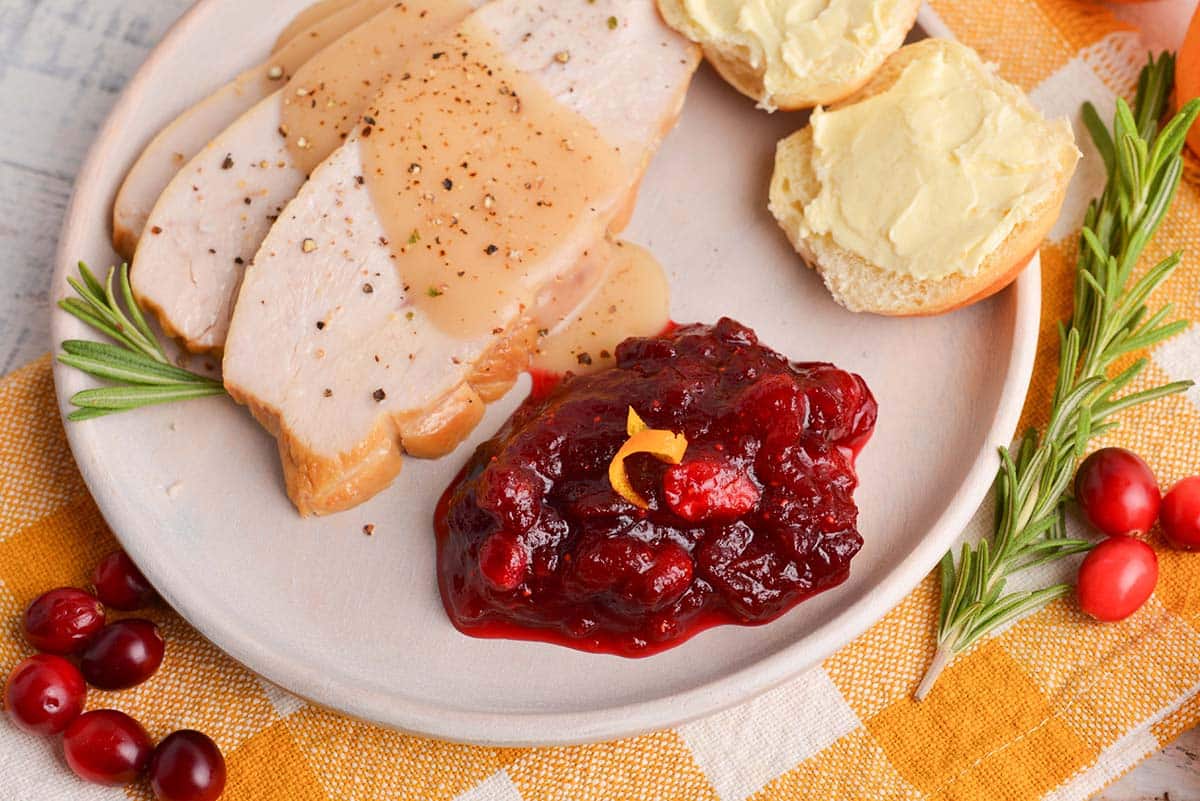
x=1053, y=707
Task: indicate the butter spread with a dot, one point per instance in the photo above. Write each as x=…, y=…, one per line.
x=826, y=42
x=929, y=177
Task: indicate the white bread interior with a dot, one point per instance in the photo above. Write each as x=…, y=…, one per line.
x=862, y=286
x=734, y=62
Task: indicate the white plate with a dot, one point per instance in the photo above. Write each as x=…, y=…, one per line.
x=194, y=492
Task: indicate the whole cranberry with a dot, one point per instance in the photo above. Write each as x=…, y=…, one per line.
x=513, y=494
x=123, y=654
x=62, y=621
x=1116, y=578
x=106, y=747
x=667, y=577
x=1117, y=492
x=607, y=563
x=187, y=766
x=775, y=406
x=120, y=585
x=44, y=694
x=706, y=489
x=840, y=405
x=502, y=561
x=1180, y=514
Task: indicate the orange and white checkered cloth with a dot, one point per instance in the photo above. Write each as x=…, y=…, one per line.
x=1054, y=707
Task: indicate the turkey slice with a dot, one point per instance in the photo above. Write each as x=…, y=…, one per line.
x=396, y=293
x=187, y=134
x=213, y=215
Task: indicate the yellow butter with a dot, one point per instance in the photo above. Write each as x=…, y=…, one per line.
x=834, y=42
x=931, y=176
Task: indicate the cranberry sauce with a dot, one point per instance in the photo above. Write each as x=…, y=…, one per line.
x=534, y=543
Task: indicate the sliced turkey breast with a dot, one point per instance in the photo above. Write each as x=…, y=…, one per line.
x=397, y=292
x=212, y=217
x=188, y=133
x=307, y=18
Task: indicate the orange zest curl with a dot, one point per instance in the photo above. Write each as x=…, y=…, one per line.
x=666, y=446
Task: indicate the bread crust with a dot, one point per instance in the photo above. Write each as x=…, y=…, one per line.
x=860, y=285
x=734, y=66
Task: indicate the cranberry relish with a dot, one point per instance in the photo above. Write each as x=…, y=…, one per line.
x=534, y=542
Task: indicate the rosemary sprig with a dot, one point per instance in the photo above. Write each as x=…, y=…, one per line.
x=1110, y=320
x=137, y=363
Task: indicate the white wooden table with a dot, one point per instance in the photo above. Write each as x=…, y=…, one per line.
x=62, y=65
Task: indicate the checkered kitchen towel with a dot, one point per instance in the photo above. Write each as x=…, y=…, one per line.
x=1054, y=707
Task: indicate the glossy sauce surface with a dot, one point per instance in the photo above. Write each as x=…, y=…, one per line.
x=318, y=11
x=759, y=514
x=326, y=97
x=477, y=174
x=629, y=297
x=288, y=57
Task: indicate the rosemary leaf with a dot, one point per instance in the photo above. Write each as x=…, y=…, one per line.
x=135, y=360
x=113, y=371
x=147, y=343
x=139, y=320
x=121, y=398
x=96, y=288
x=141, y=369
x=1100, y=134
x=88, y=315
x=88, y=414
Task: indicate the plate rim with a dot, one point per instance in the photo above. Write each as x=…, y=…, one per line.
x=542, y=728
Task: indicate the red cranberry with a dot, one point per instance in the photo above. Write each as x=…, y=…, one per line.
x=44, y=694
x=62, y=621
x=187, y=766
x=1180, y=514
x=106, y=747
x=503, y=560
x=836, y=403
x=775, y=406
x=513, y=494
x=756, y=584
x=666, y=579
x=123, y=654
x=1117, y=492
x=708, y=490
x=605, y=563
x=734, y=333
x=1116, y=578
x=120, y=585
